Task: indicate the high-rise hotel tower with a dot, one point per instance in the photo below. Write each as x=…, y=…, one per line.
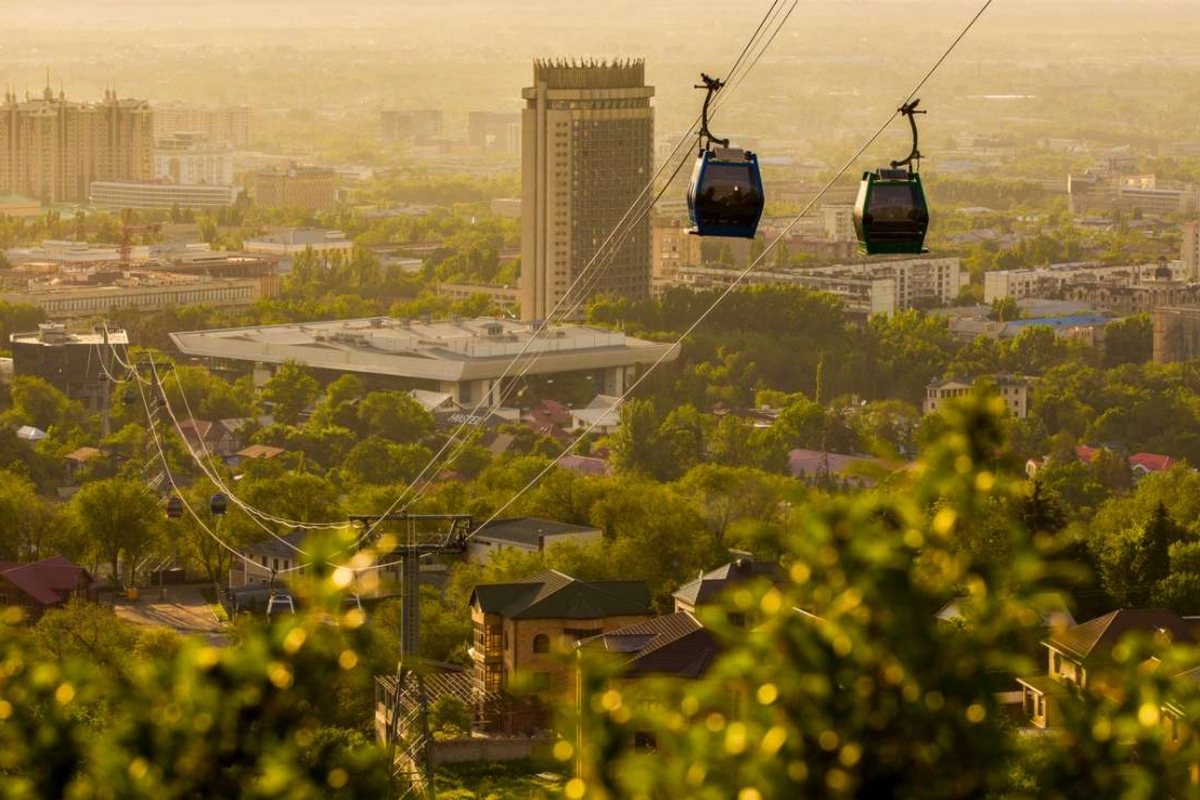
x=587, y=149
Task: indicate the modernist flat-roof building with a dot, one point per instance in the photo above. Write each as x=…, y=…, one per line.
x=463, y=358
x=151, y=293
x=160, y=194
x=880, y=287
x=587, y=151
x=497, y=131
x=77, y=364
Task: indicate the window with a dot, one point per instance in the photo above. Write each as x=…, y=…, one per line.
x=541, y=643
x=1057, y=664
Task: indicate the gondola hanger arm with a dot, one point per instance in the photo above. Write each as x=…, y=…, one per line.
x=909, y=110
x=713, y=85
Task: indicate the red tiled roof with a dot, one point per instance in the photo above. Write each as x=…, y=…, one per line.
x=48, y=581
x=1151, y=462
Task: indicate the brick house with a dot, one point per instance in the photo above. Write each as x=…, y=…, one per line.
x=523, y=627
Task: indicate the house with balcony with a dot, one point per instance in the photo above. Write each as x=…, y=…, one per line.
x=523, y=627
x=1079, y=658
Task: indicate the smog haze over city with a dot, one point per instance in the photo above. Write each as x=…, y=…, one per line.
x=552, y=400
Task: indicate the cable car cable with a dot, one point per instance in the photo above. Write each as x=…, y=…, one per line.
x=750, y=267
x=764, y=24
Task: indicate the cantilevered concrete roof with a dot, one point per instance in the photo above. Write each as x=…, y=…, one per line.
x=442, y=350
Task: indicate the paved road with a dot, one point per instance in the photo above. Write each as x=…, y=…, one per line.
x=182, y=609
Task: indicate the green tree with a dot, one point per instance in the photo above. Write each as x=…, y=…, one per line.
x=1004, y=309
x=395, y=416
x=118, y=518
x=289, y=391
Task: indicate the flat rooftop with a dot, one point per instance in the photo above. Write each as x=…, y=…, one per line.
x=440, y=350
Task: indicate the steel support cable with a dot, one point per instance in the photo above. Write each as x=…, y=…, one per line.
x=175, y=488
x=620, y=232
x=462, y=444
x=211, y=474
x=221, y=484
x=749, y=268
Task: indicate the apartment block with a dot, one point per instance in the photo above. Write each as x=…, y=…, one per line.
x=52, y=149
x=191, y=159
x=232, y=124
x=310, y=188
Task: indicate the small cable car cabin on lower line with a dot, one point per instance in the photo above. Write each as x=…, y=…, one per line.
x=725, y=197
x=890, y=214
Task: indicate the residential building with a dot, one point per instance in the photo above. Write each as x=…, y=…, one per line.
x=309, y=188
x=1190, y=251
x=467, y=359
x=147, y=291
x=602, y=415
x=1080, y=658
x=1176, y=334
x=17, y=207
x=189, y=159
x=839, y=223
x=159, y=194
x=671, y=646
x=712, y=587
x=1013, y=389
x=232, y=124
x=43, y=584
x=881, y=286
x=495, y=131
x=528, y=534
x=52, y=150
x=1058, y=280
x=416, y=125
x=586, y=156
x=672, y=247
x=264, y=560
x=521, y=627
x=77, y=364
x=209, y=440
x=79, y=459
x=503, y=297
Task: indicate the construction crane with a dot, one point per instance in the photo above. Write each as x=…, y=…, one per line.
x=127, y=232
